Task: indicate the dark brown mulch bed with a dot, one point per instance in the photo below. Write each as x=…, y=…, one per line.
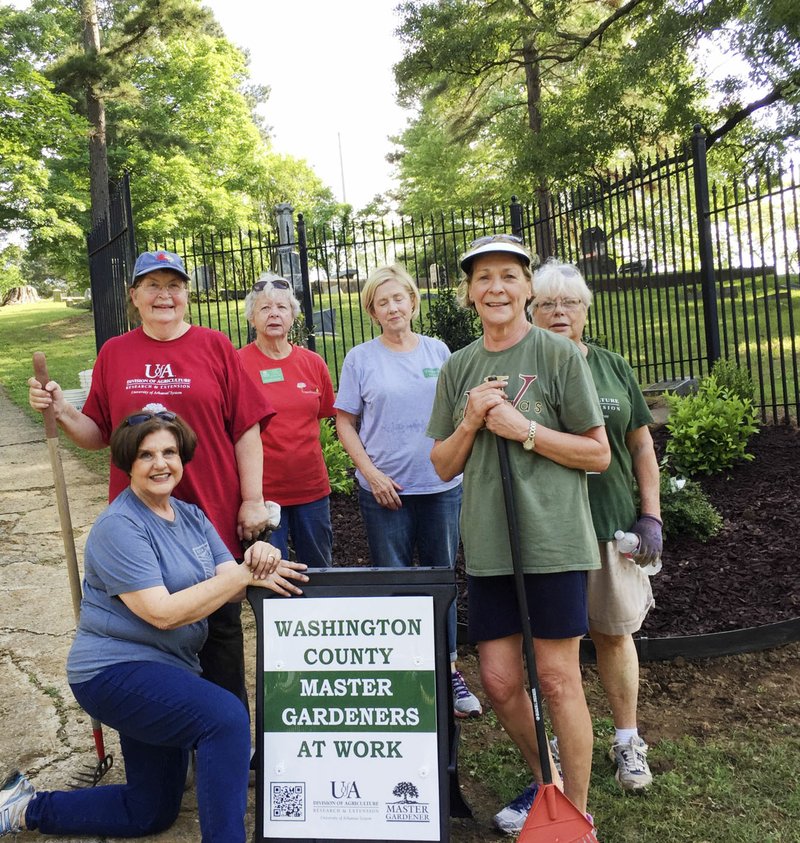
x=748, y=575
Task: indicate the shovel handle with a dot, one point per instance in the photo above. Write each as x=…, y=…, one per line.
x=62, y=501
x=40, y=373
x=522, y=601
x=59, y=482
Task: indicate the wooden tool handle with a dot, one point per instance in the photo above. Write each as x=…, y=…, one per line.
x=40, y=373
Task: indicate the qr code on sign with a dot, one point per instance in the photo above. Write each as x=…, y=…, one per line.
x=287, y=801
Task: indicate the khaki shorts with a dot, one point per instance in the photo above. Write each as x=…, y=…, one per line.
x=620, y=594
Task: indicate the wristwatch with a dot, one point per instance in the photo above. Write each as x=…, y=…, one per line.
x=531, y=440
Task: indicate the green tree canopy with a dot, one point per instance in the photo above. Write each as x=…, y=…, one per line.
x=514, y=94
x=181, y=116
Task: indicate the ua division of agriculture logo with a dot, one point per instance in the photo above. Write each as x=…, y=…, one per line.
x=407, y=809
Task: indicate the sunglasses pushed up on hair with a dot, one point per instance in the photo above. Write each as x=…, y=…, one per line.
x=277, y=283
x=141, y=418
x=496, y=238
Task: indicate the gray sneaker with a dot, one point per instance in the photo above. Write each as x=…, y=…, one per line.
x=511, y=819
x=465, y=703
x=15, y=794
x=633, y=772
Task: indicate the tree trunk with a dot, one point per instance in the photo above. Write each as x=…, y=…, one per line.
x=98, y=156
x=20, y=295
x=543, y=225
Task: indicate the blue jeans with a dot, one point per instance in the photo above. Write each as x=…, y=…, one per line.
x=309, y=527
x=428, y=523
x=161, y=713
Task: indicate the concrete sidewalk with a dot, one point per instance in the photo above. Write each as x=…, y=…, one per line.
x=44, y=732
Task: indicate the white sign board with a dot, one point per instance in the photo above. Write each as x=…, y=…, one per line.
x=349, y=719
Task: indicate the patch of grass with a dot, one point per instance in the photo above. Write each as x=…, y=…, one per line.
x=733, y=788
x=66, y=336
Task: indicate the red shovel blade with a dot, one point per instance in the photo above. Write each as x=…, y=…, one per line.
x=554, y=819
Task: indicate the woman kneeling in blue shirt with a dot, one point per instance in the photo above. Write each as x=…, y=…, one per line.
x=155, y=569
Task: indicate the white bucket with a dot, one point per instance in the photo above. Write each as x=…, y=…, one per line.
x=76, y=397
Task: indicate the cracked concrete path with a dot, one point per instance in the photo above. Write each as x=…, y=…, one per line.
x=44, y=731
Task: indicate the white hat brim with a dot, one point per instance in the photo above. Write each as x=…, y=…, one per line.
x=495, y=246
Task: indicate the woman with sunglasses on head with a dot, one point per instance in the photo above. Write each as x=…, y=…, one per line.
x=385, y=396
x=620, y=595
x=197, y=372
x=154, y=570
x=534, y=389
x=296, y=382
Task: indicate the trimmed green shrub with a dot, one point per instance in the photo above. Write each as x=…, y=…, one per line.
x=734, y=379
x=337, y=460
x=454, y=325
x=686, y=509
x=709, y=430
x=299, y=333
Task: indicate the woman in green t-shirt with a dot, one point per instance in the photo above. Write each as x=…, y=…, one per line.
x=534, y=389
x=620, y=595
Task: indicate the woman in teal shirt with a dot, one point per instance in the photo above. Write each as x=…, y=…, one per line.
x=620, y=595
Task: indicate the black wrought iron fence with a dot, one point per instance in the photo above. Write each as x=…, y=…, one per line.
x=682, y=272
x=756, y=231
x=111, y=248
x=222, y=269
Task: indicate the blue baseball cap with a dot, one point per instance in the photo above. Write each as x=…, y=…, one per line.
x=153, y=261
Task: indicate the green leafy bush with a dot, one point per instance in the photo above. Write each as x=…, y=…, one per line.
x=337, y=461
x=454, y=325
x=709, y=430
x=686, y=509
x=734, y=379
x=299, y=333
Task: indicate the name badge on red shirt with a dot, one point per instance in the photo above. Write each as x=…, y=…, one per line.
x=271, y=375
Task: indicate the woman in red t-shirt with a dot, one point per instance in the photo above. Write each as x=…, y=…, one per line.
x=296, y=382
x=169, y=364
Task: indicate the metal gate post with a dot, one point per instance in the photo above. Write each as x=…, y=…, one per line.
x=308, y=307
x=703, y=211
x=516, y=216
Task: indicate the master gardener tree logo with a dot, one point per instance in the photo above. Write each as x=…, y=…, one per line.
x=406, y=791
x=407, y=809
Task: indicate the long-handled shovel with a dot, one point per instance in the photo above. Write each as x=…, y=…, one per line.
x=51, y=433
x=552, y=818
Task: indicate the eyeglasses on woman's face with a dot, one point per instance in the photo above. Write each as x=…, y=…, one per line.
x=549, y=305
x=277, y=283
x=495, y=238
x=176, y=287
x=141, y=418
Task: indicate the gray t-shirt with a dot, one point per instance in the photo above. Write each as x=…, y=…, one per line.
x=130, y=548
x=550, y=383
x=393, y=392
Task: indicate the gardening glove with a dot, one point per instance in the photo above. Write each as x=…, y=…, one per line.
x=648, y=528
x=273, y=522
x=273, y=515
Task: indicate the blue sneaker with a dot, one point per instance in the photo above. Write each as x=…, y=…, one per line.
x=511, y=819
x=15, y=794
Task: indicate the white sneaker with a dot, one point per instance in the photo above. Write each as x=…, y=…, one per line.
x=633, y=772
x=511, y=819
x=15, y=794
x=465, y=703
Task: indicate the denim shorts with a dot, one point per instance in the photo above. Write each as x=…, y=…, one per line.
x=556, y=602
